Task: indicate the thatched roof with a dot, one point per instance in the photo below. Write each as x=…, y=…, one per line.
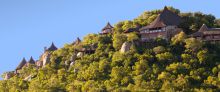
x=77, y=41
x=197, y=34
x=108, y=26
x=52, y=47
x=31, y=61
x=107, y=29
x=22, y=63
x=217, y=32
x=165, y=18
x=204, y=30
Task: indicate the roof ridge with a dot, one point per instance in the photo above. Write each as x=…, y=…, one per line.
x=203, y=28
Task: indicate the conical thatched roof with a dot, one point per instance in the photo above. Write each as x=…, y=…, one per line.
x=22, y=63
x=107, y=29
x=52, y=47
x=31, y=61
x=165, y=18
x=108, y=26
x=77, y=41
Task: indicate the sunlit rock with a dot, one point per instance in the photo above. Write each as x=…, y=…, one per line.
x=125, y=47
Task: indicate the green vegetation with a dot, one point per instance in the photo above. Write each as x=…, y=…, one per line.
x=182, y=64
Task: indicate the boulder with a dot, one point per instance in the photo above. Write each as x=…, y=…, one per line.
x=125, y=47
x=72, y=59
x=79, y=54
x=66, y=63
x=72, y=63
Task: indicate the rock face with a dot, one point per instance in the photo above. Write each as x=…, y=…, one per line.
x=73, y=58
x=8, y=76
x=28, y=78
x=39, y=64
x=72, y=63
x=125, y=47
x=46, y=58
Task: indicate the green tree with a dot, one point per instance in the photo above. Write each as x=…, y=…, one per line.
x=159, y=49
x=90, y=39
x=92, y=86
x=178, y=68
x=117, y=74
x=132, y=37
x=118, y=40
x=193, y=21
x=140, y=67
x=167, y=56
x=193, y=44
x=127, y=25
x=203, y=56
x=179, y=38
x=164, y=76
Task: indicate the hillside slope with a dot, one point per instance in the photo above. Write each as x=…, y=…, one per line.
x=121, y=62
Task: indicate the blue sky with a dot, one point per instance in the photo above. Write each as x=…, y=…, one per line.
x=26, y=26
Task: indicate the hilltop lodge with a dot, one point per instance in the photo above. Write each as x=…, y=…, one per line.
x=164, y=26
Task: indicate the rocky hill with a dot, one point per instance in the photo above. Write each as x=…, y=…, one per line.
x=119, y=60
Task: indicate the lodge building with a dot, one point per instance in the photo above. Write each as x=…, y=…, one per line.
x=207, y=34
x=44, y=59
x=108, y=29
x=164, y=26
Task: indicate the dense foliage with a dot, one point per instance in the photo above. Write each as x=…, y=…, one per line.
x=182, y=64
